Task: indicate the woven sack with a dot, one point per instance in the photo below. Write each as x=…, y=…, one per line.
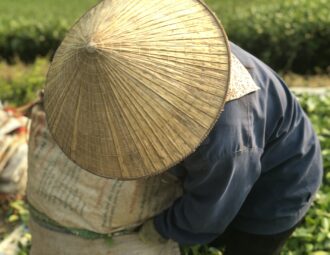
x=78, y=199
x=75, y=198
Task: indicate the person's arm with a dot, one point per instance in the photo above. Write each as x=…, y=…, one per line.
x=213, y=194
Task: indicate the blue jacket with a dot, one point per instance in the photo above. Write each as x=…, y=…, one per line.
x=257, y=170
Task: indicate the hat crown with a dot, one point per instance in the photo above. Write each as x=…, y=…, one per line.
x=91, y=47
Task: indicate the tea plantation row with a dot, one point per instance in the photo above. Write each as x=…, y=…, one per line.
x=288, y=35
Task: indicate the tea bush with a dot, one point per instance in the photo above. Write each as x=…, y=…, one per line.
x=36, y=28
x=27, y=39
x=19, y=84
x=288, y=35
x=313, y=236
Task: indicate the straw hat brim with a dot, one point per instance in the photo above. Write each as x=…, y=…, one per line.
x=136, y=86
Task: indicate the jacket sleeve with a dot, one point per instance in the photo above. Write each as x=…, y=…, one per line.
x=214, y=191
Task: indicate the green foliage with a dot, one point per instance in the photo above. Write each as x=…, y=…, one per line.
x=36, y=27
x=44, y=10
x=20, y=85
x=24, y=245
x=28, y=39
x=14, y=211
x=317, y=108
x=200, y=250
x=313, y=236
x=18, y=212
x=288, y=35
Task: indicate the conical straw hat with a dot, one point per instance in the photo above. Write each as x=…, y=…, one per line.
x=137, y=85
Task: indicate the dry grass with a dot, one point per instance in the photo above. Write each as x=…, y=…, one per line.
x=308, y=81
x=12, y=73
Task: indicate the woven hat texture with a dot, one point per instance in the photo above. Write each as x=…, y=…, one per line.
x=136, y=86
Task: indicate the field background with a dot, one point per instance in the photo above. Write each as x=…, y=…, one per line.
x=290, y=35
x=31, y=30
x=42, y=10
x=71, y=10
